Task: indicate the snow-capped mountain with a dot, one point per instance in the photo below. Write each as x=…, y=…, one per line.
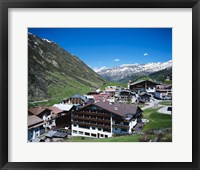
x=125, y=70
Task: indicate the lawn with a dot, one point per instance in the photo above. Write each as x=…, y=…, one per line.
x=130, y=138
x=156, y=120
x=166, y=103
x=43, y=103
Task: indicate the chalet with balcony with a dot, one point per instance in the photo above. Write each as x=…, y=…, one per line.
x=143, y=85
x=103, y=119
x=124, y=95
x=46, y=115
x=75, y=100
x=163, y=92
x=112, y=90
x=144, y=97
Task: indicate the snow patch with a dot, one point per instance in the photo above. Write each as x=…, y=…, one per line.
x=100, y=69
x=47, y=40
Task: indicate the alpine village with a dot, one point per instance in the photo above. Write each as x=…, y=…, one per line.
x=70, y=102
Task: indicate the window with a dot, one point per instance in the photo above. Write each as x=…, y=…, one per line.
x=87, y=134
x=99, y=129
x=93, y=135
x=74, y=131
x=80, y=132
x=106, y=136
x=102, y=135
x=93, y=128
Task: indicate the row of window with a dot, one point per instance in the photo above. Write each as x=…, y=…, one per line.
x=91, y=122
x=90, y=134
x=93, y=128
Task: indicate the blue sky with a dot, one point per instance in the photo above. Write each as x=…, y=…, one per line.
x=112, y=47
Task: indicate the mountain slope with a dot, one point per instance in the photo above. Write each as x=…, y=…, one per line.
x=159, y=76
x=55, y=73
x=126, y=71
x=162, y=75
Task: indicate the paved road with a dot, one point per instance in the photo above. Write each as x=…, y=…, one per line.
x=164, y=110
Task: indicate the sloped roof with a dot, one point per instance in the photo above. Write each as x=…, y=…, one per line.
x=63, y=107
x=59, y=134
x=32, y=120
x=55, y=110
x=101, y=96
x=121, y=109
x=37, y=110
x=164, y=86
x=140, y=81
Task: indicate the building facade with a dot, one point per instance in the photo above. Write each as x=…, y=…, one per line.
x=144, y=85
x=103, y=119
x=35, y=127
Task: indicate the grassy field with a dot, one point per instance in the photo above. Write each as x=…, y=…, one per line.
x=166, y=103
x=156, y=120
x=44, y=103
x=130, y=138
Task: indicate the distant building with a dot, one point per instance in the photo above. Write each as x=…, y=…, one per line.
x=75, y=100
x=163, y=92
x=103, y=119
x=46, y=114
x=101, y=97
x=93, y=93
x=144, y=97
x=124, y=95
x=35, y=127
x=144, y=85
x=112, y=90
x=63, y=111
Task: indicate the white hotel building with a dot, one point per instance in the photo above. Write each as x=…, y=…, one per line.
x=103, y=119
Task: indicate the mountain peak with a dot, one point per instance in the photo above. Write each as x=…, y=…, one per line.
x=125, y=70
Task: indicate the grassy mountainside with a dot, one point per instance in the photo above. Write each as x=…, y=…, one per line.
x=157, y=76
x=55, y=73
x=162, y=75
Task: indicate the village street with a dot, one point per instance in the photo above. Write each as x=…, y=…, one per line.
x=152, y=103
x=156, y=103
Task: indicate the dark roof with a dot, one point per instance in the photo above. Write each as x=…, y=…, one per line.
x=56, y=134
x=140, y=81
x=164, y=86
x=32, y=120
x=37, y=110
x=121, y=109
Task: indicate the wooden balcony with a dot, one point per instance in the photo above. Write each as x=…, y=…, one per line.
x=120, y=119
x=91, y=124
x=92, y=113
x=91, y=119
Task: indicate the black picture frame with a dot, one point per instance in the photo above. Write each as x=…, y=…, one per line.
x=4, y=98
